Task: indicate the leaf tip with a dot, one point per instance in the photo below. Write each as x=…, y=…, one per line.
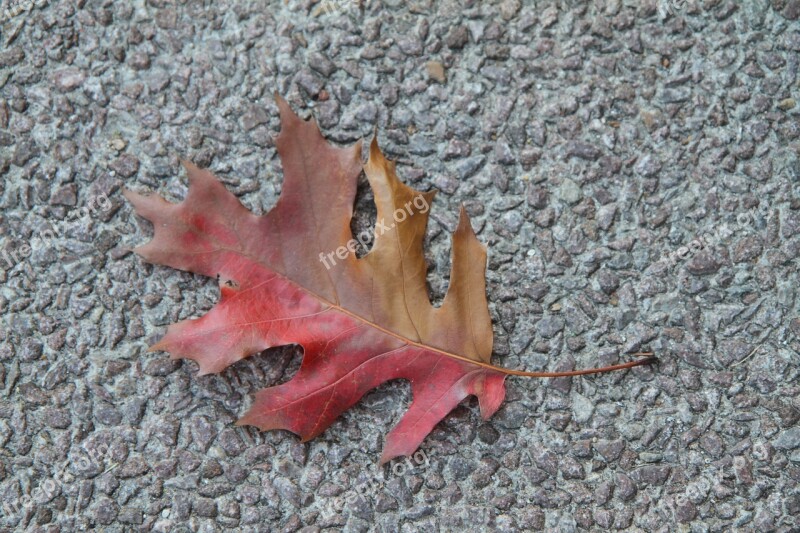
x=188, y=165
x=245, y=420
x=135, y=198
x=391, y=451
x=194, y=173
x=374, y=148
x=284, y=109
x=464, y=223
x=377, y=159
x=384, y=459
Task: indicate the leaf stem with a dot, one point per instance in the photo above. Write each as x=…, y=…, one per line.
x=647, y=359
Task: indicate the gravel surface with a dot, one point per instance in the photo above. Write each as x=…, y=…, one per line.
x=633, y=167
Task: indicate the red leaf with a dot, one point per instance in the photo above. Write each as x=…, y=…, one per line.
x=360, y=321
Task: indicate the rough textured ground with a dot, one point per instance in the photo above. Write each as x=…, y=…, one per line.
x=589, y=142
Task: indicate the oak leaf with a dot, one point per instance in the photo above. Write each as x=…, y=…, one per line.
x=291, y=277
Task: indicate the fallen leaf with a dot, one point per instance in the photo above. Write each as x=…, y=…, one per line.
x=291, y=277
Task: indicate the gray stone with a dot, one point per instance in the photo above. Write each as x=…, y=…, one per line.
x=647, y=166
x=130, y=515
x=469, y=166
x=68, y=79
x=788, y=439
x=570, y=192
x=549, y=326
x=582, y=407
x=457, y=37
x=31, y=350
x=703, y=263
x=583, y=150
